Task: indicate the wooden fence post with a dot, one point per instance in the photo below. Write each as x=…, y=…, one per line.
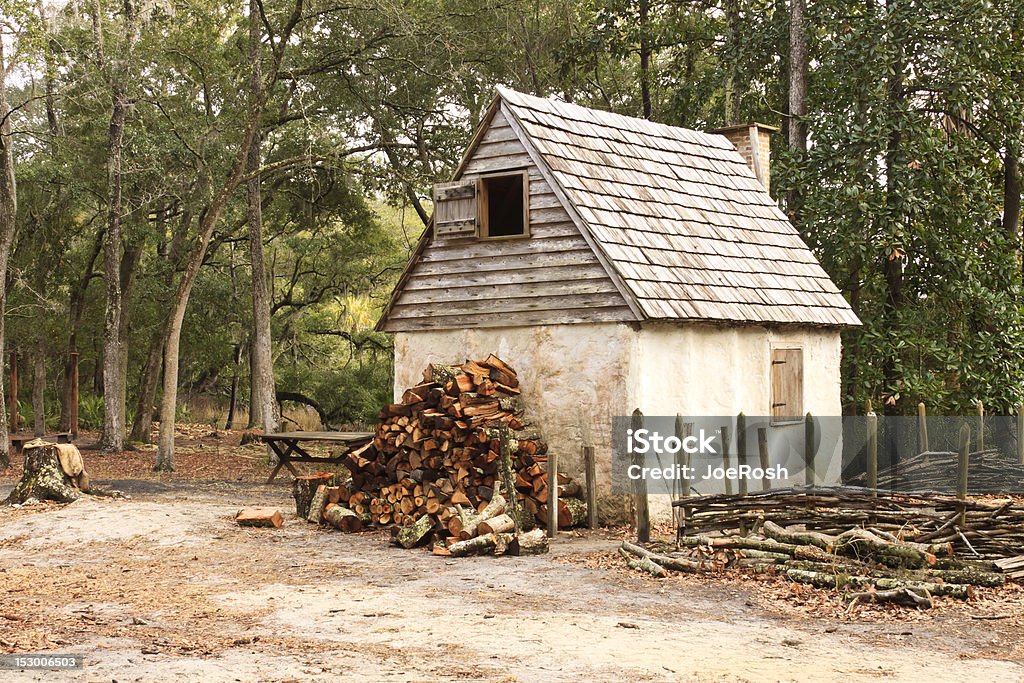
x=1020, y=434
x=552, y=493
x=725, y=458
x=590, y=463
x=963, y=462
x=74, y=397
x=981, y=424
x=741, y=449
x=680, y=489
x=643, y=516
x=762, y=451
x=14, y=392
x=922, y=427
x=809, y=450
x=872, y=425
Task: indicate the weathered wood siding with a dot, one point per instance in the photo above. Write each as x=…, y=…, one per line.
x=550, y=277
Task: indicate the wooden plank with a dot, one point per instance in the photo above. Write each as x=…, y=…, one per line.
x=504, y=306
x=516, y=319
x=484, y=249
x=504, y=262
x=489, y=276
x=508, y=290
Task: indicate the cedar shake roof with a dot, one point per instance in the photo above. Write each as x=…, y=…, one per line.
x=679, y=216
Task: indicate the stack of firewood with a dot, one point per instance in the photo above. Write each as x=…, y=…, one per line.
x=443, y=461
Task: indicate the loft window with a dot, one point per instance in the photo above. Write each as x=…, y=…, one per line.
x=504, y=209
x=787, y=385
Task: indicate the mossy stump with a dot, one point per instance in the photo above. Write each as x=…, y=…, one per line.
x=43, y=478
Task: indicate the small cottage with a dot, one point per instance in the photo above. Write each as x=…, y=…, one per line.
x=618, y=263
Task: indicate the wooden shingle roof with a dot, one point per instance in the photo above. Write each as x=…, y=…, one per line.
x=678, y=216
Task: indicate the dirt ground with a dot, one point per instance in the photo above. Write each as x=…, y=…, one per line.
x=164, y=586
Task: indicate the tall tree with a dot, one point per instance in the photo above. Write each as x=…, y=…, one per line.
x=117, y=73
x=264, y=402
x=8, y=221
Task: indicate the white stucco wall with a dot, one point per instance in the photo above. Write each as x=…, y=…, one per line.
x=716, y=370
x=574, y=378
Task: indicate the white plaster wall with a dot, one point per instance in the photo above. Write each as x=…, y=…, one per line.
x=714, y=370
x=574, y=378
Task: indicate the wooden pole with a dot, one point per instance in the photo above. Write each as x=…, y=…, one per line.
x=872, y=425
x=809, y=450
x=590, y=462
x=963, y=462
x=741, y=449
x=725, y=458
x=762, y=451
x=868, y=408
x=1020, y=434
x=552, y=493
x=981, y=424
x=922, y=427
x=680, y=489
x=14, y=392
x=74, y=397
x=643, y=516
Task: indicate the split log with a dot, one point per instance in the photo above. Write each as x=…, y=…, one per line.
x=317, y=505
x=342, y=518
x=572, y=512
x=416, y=532
x=496, y=525
x=529, y=543
x=259, y=517
x=304, y=488
x=43, y=478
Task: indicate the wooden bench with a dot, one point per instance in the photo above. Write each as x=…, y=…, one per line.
x=288, y=446
x=19, y=440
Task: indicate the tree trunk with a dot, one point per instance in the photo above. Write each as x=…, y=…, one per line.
x=8, y=215
x=43, y=478
x=142, y=428
x=233, y=401
x=645, y=59
x=732, y=31
x=1012, y=196
x=76, y=309
x=168, y=403
x=39, y=390
x=796, y=125
x=263, y=397
x=112, y=438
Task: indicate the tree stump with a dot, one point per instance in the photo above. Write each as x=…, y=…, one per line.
x=43, y=478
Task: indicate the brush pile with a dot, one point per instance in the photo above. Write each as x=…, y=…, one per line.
x=991, y=472
x=442, y=465
x=872, y=546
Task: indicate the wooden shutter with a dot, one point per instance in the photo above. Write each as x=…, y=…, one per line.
x=787, y=384
x=455, y=209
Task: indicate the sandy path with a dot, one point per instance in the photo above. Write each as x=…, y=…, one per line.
x=165, y=587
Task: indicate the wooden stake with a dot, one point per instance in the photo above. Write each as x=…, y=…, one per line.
x=741, y=449
x=74, y=396
x=762, y=451
x=14, y=392
x=981, y=424
x=872, y=425
x=552, y=494
x=868, y=408
x=643, y=516
x=922, y=427
x=810, y=451
x=590, y=463
x=725, y=458
x=963, y=463
x=1020, y=434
